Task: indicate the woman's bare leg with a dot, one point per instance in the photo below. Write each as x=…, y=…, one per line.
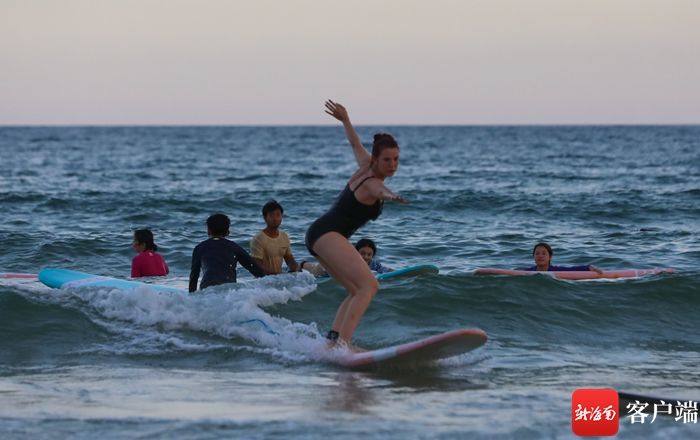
x=344, y=263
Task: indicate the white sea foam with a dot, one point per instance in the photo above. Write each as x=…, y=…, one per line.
x=147, y=321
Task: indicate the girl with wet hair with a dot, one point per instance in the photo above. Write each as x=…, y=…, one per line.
x=542, y=253
x=368, y=251
x=148, y=262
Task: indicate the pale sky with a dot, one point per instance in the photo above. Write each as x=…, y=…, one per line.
x=171, y=62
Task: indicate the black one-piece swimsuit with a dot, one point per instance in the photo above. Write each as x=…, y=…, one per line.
x=345, y=217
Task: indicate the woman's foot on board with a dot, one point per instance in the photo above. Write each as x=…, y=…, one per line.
x=334, y=341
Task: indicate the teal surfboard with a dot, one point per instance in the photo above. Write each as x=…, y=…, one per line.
x=64, y=278
x=410, y=271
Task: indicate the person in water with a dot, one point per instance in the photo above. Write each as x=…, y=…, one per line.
x=217, y=257
x=542, y=253
x=148, y=262
x=368, y=250
x=360, y=201
x=271, y=246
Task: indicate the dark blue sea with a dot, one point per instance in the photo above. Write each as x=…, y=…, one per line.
x=111, y=364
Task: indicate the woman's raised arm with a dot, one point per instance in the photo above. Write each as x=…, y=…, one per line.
x=340, y=113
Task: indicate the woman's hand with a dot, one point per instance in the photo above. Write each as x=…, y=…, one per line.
x=595, y=269
x=398, y=199
x=337, y=111
x=381, y=192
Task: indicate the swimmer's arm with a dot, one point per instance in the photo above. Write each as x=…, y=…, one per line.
x=249, y=263
x=264, y=266
x=379, y=191
x=194, y=270
x=382, y=268
x=340, y=113
x=135, y=269
x=595, y=269
x=291, y=262
x=315, y=269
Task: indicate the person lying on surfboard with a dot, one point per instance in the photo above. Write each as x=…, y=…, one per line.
x=368, y=250
x=542, y=253
x=360, y=201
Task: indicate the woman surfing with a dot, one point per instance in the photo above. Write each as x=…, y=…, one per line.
x=360, y=201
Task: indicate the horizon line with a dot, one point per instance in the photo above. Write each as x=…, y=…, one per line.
x=516, y=124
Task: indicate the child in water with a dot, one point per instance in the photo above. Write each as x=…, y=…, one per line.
x=217, y=257
x=148, y=262
x=368, y=250
x=271, y=246
x=542, y=254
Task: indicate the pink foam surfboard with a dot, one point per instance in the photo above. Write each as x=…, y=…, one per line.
x=576, y=275
x=435, y=347
x=18, y=275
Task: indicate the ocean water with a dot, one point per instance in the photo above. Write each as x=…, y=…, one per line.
x=104, y=363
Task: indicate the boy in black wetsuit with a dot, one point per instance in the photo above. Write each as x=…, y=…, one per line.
x=217, y=257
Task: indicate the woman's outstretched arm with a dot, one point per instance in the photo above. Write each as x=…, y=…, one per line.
x=378, y=190
x=340, y=113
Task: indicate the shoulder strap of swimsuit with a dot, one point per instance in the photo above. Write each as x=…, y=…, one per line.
x=360, y=184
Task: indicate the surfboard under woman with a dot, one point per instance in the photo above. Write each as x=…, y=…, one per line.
x=360, y=201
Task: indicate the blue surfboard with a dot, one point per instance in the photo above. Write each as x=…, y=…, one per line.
x=64, y=278
x=410, y=271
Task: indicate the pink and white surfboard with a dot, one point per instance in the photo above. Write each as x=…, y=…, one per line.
x=9, y=275
x=435, y=347
x=576, y=275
